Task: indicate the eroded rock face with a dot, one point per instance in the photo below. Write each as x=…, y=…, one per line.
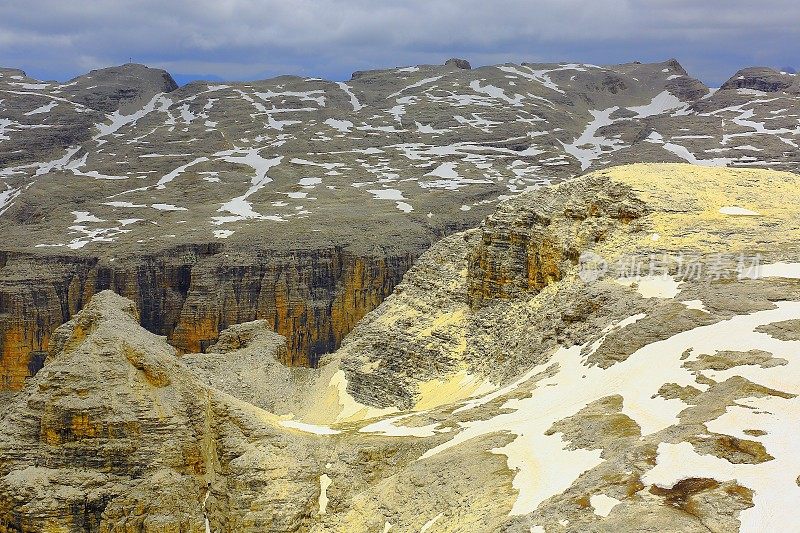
x=251, y=363
x=118, y=433
x=762, y=79
x=124, y=88
x=712, y=349
x=192, y=293
x=112, y=413
x=524, y=248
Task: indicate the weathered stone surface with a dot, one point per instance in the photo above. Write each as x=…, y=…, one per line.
x=191, y=293
x=598, y=404
x=495, y=389
x=251, y=363
x=125, y=88
x=762, y=79
x=51, y=117
x=788, y=330
x=119, y=179
x=111, y=409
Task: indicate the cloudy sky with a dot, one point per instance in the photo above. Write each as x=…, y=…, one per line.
x=252, y=39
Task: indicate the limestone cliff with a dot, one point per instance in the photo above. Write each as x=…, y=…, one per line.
x=530, y=250
x=527, y=247
x=612, y=320
x=191, y=293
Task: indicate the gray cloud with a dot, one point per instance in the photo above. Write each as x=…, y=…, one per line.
x=247, y=39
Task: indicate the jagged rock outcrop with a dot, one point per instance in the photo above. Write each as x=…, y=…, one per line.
x=763, y=79
x=524, y=248
x=112, y=414
x=251, y=362
x=458, y=63
x=607, y=225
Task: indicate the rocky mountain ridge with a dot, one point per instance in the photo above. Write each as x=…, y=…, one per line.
x=303, y=201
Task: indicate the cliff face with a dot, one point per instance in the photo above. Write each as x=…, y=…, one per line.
x=313, y=299
x=192, y=293
x=524, y=248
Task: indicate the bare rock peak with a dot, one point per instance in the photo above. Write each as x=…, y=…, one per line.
x=674, y=66
x=131, y=73
x=763, y=79
x=458, y=63
x=8, y=71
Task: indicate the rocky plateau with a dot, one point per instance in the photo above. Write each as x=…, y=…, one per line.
x=302, y=201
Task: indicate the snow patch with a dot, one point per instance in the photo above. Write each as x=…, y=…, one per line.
x=653, y=286
x=545, y=467
x=343, y=126
x=44, y=109
x=177, y=172
x=353, y=100
x=324, y=482
x=661, y=103
x=239, y=207
x=420, y=83
x=496, y=92
x=603, y=504
x=168, y=207
x=85, y=216
x=738, y=211
x=589, y=146
x=309, y=428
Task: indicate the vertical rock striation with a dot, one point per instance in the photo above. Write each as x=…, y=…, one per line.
x=193, y=292
x=527, y=245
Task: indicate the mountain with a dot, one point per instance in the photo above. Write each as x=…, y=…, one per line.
x=301, y=201
x=535, y=373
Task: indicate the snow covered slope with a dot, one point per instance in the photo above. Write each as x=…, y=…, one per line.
x=223, y=161
x=629, y=400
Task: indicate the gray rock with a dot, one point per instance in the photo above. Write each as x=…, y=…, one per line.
x=458, y=63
